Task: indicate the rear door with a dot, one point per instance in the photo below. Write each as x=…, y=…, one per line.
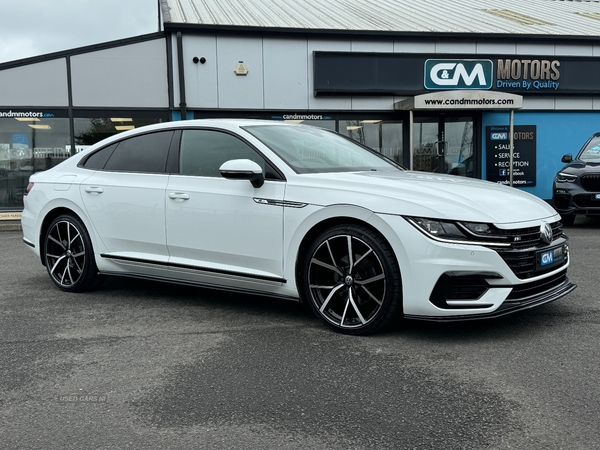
x=125, y=197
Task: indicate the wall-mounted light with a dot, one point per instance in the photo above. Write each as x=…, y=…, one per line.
x=40, y=127
x=353, y=127
x=27, y=119
x=240, y=69
x=121, y=119
x=124, y=127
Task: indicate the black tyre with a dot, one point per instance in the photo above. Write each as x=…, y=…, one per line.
x=69, y=255
x=351, y=280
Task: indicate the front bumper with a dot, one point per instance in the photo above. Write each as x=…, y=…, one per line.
x=571, y=198
x=445, y=282
x=518, y=300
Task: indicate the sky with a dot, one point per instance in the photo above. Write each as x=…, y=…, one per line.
x=36, y=27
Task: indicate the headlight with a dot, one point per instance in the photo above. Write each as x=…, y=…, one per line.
x=562, y=177
x=459, y=232
x=439, y=229
x=481, y=229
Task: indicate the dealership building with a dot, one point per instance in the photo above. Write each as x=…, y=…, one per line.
x=441, y=86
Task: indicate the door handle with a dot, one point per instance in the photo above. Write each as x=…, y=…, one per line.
x=179, y=196
x=94, y=190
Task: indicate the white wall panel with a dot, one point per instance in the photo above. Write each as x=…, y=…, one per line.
x=596, y=103
x=200, y=79
x=532, y=103
x=573, y=103
x=455, y=47
x=129, y=76
x=372, y=103
x=39, y=84
x=286, y=73
x=535, y=49
x=501, y=48
x=325, y=103
x=372, y=46
x=574, y=50
x=240, y=92
x=414, y=47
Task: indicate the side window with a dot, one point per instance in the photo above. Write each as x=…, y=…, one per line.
x=204, y=151
x=98, y=159
x=145, y=153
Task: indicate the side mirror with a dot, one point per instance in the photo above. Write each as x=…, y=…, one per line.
x=567, y=158
x=243, y=169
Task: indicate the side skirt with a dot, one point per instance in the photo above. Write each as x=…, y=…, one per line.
x=212, y=286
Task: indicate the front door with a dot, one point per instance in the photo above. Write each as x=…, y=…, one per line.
x=219, y=226
x=443, y=144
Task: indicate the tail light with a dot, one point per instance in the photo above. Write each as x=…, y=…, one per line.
x=29, y=188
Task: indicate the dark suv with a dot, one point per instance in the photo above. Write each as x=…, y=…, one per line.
x=576, y=188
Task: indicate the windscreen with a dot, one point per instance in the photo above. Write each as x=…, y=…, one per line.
x=591, y=152
x=309, y=149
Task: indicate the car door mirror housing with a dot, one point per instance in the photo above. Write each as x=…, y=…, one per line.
x=567, y=158
x=243, y=169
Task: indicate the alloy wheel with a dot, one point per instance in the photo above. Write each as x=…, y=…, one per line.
x=347, y=281
x=65, y=253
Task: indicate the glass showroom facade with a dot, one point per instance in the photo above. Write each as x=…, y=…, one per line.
x=33, y=141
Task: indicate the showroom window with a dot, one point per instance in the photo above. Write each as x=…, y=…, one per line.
x=381, y=135
x=29, y=142
x=33, y=141
x=89, y=130
x=327, y=124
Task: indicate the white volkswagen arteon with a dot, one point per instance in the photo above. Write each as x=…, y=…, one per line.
x=297, y=212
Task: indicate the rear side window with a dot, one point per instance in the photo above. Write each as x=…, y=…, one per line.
x=146, y=153
x=97, y=160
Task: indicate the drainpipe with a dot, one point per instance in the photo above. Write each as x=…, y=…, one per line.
x=182, y=104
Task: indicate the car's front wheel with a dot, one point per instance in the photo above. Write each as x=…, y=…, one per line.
x=69, y=256
x=351, y=280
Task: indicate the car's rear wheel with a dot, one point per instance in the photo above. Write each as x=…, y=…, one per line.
x=351, y=280
x=69, y=256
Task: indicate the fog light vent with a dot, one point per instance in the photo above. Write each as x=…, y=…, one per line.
x=460, y=286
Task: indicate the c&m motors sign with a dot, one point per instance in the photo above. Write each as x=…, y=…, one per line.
x=450, y=74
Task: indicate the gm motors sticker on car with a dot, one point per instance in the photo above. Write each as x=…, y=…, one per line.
x=552, y=257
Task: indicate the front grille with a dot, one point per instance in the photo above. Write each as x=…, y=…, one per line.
x=590, y=182
x=521, y=257
x=523, y=238
x=586, y=201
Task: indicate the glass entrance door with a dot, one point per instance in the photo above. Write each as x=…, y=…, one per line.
x=443, y=144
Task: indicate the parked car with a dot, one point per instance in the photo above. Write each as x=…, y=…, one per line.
x=296, y=212
x=576, y=187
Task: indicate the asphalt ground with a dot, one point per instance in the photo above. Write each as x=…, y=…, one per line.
x=145, y=365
